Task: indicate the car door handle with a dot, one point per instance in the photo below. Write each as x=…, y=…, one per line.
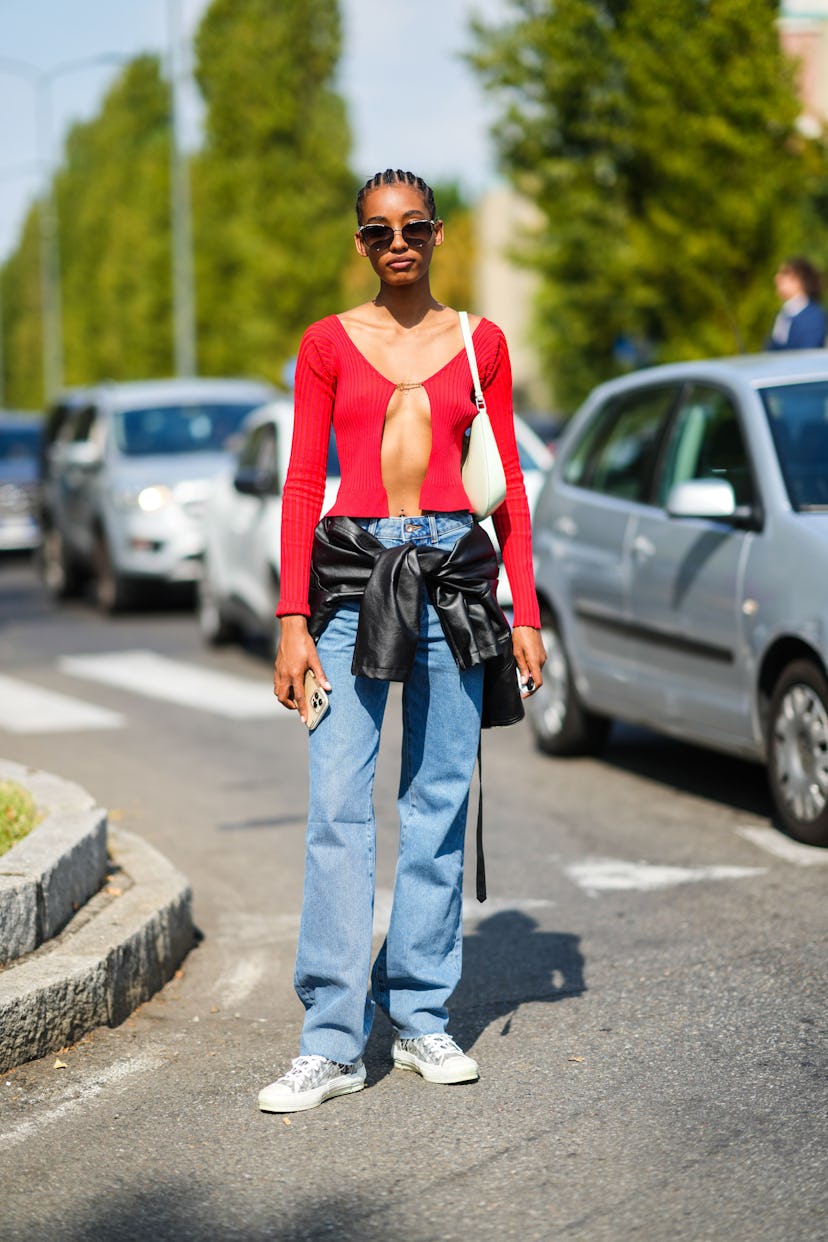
x=643, y=548
x=566, y=525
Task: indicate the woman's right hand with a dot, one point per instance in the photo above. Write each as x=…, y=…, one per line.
x=295, y=655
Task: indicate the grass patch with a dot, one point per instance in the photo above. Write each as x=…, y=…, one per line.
x=18, y=814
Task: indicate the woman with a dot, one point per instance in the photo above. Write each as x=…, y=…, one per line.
x=393, y=377
x=801, y=322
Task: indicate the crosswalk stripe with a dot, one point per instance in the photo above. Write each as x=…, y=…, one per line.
x=31, y=709
x=174, y=681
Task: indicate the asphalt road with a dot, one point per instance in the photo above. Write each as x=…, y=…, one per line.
x=645, y=989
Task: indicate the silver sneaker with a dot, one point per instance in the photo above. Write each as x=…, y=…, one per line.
x=309, y=1081
x=436, y=1057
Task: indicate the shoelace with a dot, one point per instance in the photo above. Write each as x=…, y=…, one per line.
x=304, y=1071
x=438, y=1045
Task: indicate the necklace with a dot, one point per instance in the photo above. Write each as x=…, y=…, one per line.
x=407, y=387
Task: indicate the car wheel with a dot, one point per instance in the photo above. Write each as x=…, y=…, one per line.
x=797, y=747
x=560, y=722
x=59, y=573
x=113, y=592
x=216, y=630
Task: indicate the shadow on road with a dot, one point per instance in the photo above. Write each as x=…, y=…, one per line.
x=507, y=962
x=734, y=782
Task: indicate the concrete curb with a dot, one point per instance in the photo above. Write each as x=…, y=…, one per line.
x=121, y=947
x=52, y=872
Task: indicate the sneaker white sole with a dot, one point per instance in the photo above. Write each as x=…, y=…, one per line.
x=445, y=1075
x=281, y=1101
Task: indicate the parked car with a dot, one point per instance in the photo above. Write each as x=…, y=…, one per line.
x=681, y=546
x=239, y=586
x=20, y=462
x=128, y=469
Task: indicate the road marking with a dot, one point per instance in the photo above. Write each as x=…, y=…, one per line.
x=188, y=685
x=236, y=984
x=81, y=1093
x=773, y=842
x=31, y=709
x=596, y=875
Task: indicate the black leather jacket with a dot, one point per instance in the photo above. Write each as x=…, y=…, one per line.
x=349, y=564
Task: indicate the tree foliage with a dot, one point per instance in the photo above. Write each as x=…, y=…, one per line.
x=660, y=143
x=272, y=202
x=113, y=196
x=272, y=188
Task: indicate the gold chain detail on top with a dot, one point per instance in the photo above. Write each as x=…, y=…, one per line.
x=403, y=387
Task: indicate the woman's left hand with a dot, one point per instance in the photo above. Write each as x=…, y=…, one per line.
x=530, y=657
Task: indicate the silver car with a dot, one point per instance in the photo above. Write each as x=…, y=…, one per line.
x=129, y=468
x=681, y=546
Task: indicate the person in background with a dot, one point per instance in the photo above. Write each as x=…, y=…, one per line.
x=373, y=593
x=801, y=322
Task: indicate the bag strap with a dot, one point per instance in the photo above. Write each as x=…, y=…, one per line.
x=479, y=399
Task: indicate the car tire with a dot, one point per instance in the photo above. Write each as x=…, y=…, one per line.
x=113, y=591
x=797, y=750
x=59, y=573
x=215, y=629
x=560, y=722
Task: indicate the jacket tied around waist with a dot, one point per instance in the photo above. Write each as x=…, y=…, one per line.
x=349, y=564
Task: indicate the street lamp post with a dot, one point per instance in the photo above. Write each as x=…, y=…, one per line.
x=41, y=82
x=184, y=328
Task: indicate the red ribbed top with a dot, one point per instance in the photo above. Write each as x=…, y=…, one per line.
x=336, y=384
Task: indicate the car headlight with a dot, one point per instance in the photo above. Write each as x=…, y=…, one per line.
x=147, y=499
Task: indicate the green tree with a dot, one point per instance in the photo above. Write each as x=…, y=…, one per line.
x=659, y=142
x=272, y=188
x=22, y=322
x=113, y=204
x=112, y=196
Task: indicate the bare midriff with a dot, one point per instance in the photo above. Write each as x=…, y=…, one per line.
x=406, y=447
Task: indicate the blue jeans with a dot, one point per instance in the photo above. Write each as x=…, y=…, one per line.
x=418, y=966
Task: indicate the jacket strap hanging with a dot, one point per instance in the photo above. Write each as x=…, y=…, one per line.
x=481, y=861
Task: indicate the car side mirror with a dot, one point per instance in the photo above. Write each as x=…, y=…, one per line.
x=251, y=481
x=702, y=498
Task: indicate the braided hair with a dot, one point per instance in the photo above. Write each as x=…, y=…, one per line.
x=396, y=176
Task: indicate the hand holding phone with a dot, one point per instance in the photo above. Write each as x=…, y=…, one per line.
x=316, y=699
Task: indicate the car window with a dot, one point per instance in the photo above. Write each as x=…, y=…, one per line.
x=798, y=419
x=20, y=443
x=706, y=442
x=618, y=449
x=192, y=428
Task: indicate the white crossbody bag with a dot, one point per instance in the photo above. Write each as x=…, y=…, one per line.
x=482, y=470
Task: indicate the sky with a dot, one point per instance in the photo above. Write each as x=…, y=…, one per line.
x=412, y=101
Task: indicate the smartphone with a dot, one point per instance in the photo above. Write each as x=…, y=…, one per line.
x=528, y=688
x=316, y=698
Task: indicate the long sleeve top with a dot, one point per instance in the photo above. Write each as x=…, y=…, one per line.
x=337, y=386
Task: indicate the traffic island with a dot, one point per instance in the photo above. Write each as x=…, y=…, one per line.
x=93, y=922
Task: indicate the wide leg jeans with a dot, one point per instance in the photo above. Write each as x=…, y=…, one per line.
x=419, y=963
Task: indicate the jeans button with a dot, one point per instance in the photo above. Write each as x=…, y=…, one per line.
x=410, y=528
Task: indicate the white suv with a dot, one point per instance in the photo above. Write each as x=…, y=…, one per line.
x=128, y=469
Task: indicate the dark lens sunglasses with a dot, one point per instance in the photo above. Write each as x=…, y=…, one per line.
x=381, y=236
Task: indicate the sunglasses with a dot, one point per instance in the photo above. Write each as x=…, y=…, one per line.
x=381, y=236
